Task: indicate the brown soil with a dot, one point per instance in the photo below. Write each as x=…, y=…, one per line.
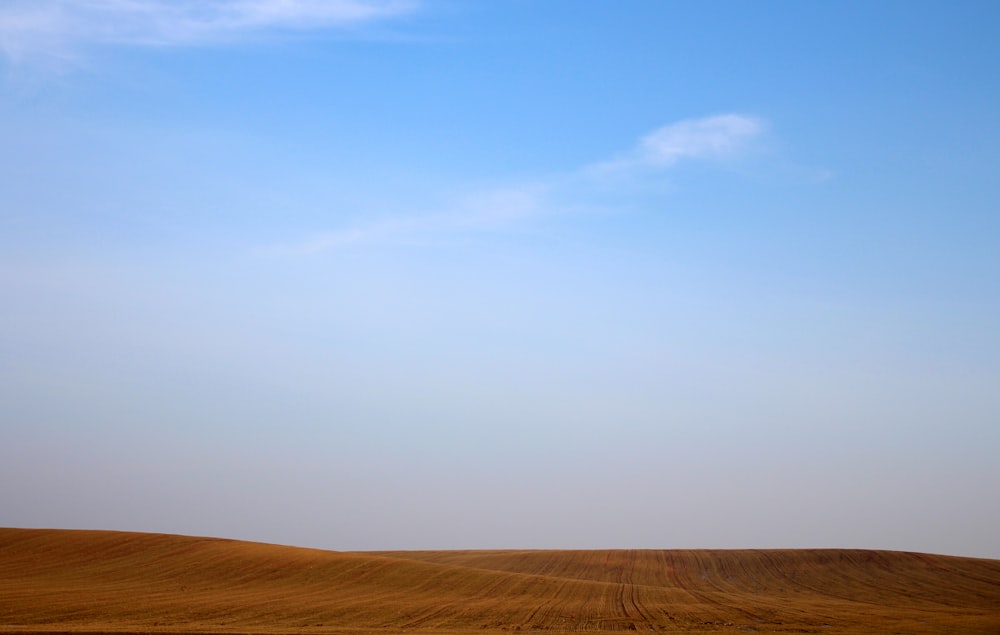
x=60, y=581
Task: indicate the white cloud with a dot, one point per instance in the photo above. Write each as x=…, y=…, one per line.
x=705, y=138
x=57, y=28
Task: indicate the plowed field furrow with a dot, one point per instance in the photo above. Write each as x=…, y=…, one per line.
x=111, y=582
x=630, y=592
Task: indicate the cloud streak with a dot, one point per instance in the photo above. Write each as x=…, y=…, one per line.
x=708, y=138
x=57, y=28
x=473, y=212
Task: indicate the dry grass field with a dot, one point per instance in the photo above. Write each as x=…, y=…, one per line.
x=58, y=581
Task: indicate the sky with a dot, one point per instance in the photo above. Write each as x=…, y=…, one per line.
x=444, y=274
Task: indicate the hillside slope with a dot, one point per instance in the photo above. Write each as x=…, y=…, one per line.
x=93, y=581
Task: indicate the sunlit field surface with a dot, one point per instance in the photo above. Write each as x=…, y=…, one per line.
x=59, y=581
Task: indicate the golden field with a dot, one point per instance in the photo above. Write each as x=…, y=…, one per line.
x=62, y=581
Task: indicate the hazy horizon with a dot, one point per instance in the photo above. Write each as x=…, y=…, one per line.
x=376, y=275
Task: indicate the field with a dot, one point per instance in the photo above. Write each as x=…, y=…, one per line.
x=60, y=581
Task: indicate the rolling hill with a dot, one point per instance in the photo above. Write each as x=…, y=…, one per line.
x=63, y=581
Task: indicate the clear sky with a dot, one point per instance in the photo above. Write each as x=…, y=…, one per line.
x=365, y=274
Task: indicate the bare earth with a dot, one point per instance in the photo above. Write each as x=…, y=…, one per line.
x=60, y=581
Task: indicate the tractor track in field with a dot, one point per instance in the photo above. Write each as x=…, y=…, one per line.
x=630, y=593
x=427, y=617
x=545, y=607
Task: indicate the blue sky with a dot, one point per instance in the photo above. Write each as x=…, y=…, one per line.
x=443, y=274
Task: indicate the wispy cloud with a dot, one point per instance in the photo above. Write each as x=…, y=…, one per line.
x=706, y=138
x=471, y=212
x=709, y=138
x=57, y=28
